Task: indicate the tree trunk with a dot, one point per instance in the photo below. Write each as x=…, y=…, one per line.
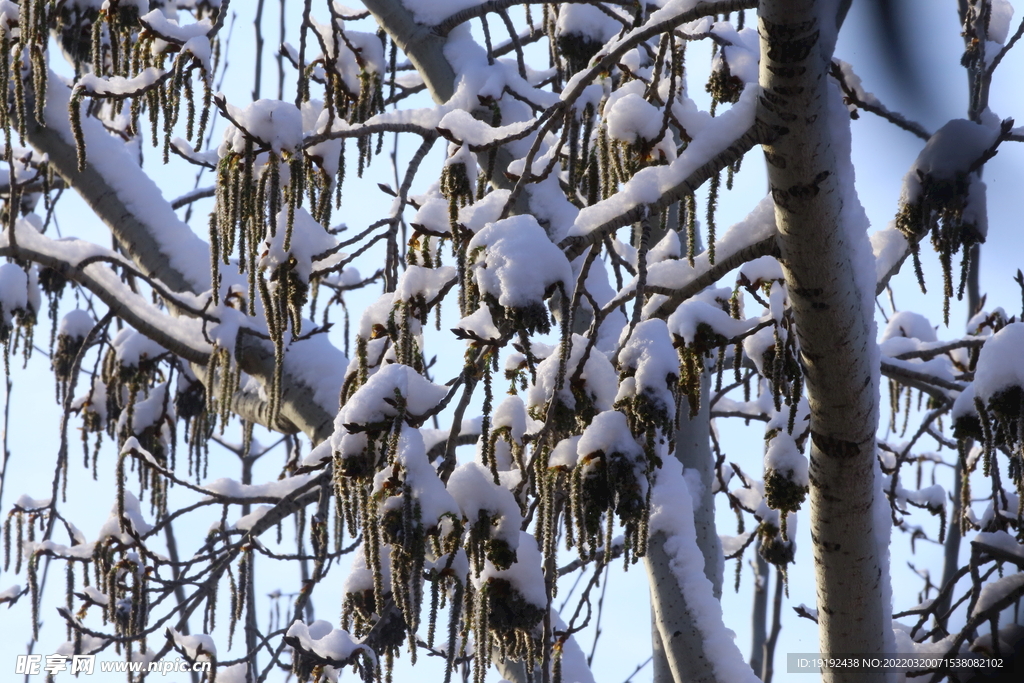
x=825, y=254
x=683, y=659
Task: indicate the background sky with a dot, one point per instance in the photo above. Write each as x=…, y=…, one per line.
x=882, y=153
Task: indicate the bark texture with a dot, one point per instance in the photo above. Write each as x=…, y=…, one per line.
x=835, y=331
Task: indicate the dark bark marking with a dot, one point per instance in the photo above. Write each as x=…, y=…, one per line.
x=787, y=71
x=789, y=90
x=835, y=448
x=785, y=31
x=776, y=160
x=825, y=545
x=793, y=50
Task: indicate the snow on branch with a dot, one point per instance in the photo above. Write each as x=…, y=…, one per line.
x=725, y=140
x=84, y=263
x=166, y=250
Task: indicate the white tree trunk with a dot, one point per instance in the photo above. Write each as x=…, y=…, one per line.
x=834, y=321
x=679, y=643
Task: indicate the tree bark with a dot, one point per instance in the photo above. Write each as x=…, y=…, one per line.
x=816, y=211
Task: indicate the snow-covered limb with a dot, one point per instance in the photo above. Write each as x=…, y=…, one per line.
x=162, y=246
x=905, y=373
x=181, y=336
x=855, y=93
x=595, y=225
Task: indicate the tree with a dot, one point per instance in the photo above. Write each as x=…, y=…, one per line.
x=569, y=153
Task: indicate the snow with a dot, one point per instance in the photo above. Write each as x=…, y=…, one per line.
x=760, y=270
x=889, y=247
x=992, y=593
x=431, y=12
x=358, y=53
x=911, y=325
x=948, y=155
x=168, y=28
x=587, y=21
x=76, y=324
x=690, y=316
x=519, y=263
x=309, y=240
x=462, y=125
x=336, y=644
x=649, y=352
x=26, y=502
x=318, y=455
x=270, y=491
x=275, y=123
x=755, y=347
x=526, y=574
x=650, y=184
x=755, y=227
x=473, y=488
x=480, y=325
x=667, y=249
x=731, y=545
x=743, y=54
x=131, y=444
x=89, y=645
x=360, y=575
x=198, y=647
x=1007, y=503
x=247, y=522
x=598, y=374
x=133, y=514
x=931, y=498
x=225, y=332
x=421, y=479
x=1001, y=540
x=373, y=402
x=236, y=673
x=202, y=50
x=418, y=281
x=511, y=413
x=154, y=411
x=609, y=434
x=784, y=457
x=999, y=20
x=1000, y=363
x=13, y=291
x=131, y=348
x=565, y=454
x=908, y=332
x=575, y=668
x=118, y=86
x=478, y=214
x=964, y=404
x=629, y=116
